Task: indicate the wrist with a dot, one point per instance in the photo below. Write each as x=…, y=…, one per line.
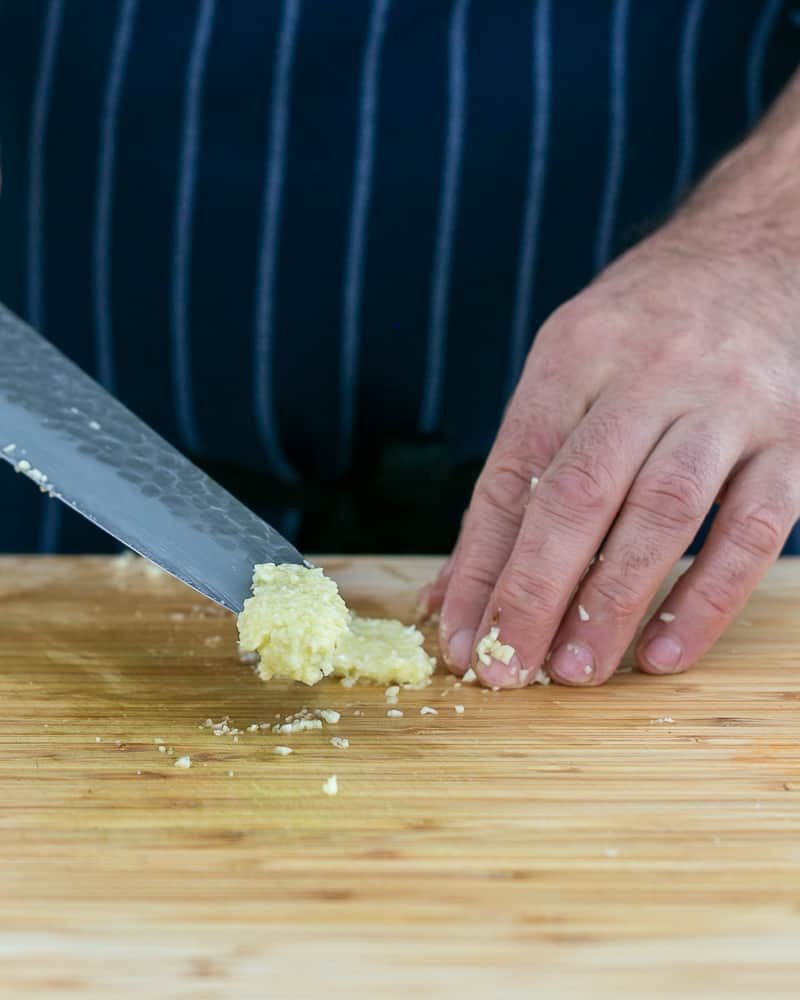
x=758, y=181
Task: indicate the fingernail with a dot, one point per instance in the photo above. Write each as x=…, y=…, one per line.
x=459, y=649
x=572, y=663
x=663, y=653
x=503, y=675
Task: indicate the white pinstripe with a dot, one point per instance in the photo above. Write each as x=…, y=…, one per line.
x=36, y=157
x=50, y=518
x=616, y=133
x=105, y=189
x=268, y=249
x=537, y=172
x=448, y=207
x=687, y=115
x=756, y=57
x=182, y=250
x=359, y=211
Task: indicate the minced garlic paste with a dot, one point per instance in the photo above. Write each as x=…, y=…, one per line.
x=383, y=651
x=302, y=630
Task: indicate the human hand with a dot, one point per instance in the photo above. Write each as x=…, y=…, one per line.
x=672, y=380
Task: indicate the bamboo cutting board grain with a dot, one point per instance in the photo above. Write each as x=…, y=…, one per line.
x=549, y=842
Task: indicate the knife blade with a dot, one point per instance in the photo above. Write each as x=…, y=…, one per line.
x=83, y=447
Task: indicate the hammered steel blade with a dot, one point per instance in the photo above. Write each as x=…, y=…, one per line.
x=82, y=446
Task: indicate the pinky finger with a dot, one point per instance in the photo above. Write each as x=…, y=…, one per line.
x=759, y=509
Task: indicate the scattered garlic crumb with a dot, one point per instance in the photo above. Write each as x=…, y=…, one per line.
x=183, y=762
x=298, y=726
x=470, y=677
x=235, y=739
x=459, y=709
x=490, y=648
x=534, y=482
x=394, y=713
x=94, y=425
x=348, y=682
x=392, y=692
x=329, y=715
x=283, y=751
x=667, y=616
x=138, y=772
x=359, y=712
x=230, y=774
x=611, y=852
x=583, y=614
x=662, y=719
x=587, y=669
x=9, y=448
x=340, y=742
x=331, y=786
x=170, y=751
x=162, y=749
x=427, y=710
x=541, y=677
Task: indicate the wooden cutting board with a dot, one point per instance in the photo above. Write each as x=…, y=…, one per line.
x=548, y=842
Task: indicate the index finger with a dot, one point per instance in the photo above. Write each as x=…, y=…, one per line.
x=529, y=437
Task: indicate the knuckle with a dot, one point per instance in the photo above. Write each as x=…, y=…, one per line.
x=474, y=575
x=528, y=595
x=719, y=593
x=671, y=500
x=759, y=528
x=675, y=495
x=579, y=487
x=503, y=488
x=578, y=317
x=619, y=600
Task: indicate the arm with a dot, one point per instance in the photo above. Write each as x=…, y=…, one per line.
x=672, y=380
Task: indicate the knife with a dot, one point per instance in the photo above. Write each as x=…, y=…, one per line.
x=82, y=446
